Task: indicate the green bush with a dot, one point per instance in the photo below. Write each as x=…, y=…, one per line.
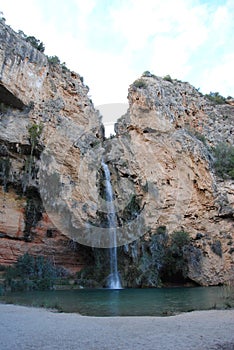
x=35, y=132
x=180, y=238
x=161, y=230
x=31, y=273
x=54, y=60
x=224, y=160
x=33, y=41
x=36, y=43
x=168, y=78
x=216, y=98
x=140, y=84
x=148, y=74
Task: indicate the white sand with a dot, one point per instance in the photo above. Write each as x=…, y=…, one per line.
x=32, y=328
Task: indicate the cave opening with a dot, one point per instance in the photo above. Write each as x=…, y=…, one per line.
x=9, y=100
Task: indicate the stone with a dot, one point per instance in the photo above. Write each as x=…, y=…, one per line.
x=35, y=92
x=159, y=138
x=160, y=161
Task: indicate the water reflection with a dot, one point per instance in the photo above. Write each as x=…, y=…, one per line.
x=129, y=302
x=113, y=302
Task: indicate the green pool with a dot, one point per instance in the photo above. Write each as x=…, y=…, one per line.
x=128, y=302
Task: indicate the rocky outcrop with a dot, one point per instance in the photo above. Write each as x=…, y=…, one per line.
x=164, y=146
x=161, y=164
x=42, y=105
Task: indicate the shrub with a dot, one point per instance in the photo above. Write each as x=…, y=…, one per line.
x=168, y=78
x=179, y=239
x=216, y=98
x=161, y=230
x=33, y=41
x=148, y=74
x=30, y=273
x=53, y=59
x=224, y=160
x=64, y=67
x=36, y=43
x=35, y=132
x=140, y=84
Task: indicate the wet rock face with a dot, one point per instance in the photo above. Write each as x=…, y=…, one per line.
x=161, y=166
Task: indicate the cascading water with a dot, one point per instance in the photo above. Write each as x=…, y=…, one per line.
x=113, y=279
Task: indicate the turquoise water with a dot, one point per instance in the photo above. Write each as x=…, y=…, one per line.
x=128, y=302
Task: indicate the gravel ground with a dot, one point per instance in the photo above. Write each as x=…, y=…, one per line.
x=32, y=328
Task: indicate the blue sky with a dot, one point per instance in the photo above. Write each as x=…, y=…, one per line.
x=111, y=43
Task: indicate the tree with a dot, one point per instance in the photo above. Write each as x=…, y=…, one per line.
x=33, y=41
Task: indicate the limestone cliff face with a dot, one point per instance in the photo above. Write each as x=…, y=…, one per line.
x=161, y=165
x=42, y=106
x=159, y=148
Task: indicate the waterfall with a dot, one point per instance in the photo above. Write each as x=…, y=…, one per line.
x=113, y=279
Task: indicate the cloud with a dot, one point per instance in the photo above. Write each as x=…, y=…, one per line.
x=112, y=43
x=185, y=38
x=171, y=31
x=220, y=78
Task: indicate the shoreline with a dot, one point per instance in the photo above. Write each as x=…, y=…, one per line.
x=23, y=327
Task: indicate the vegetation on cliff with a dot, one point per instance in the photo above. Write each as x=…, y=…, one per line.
x=38, y=44
x=216, y=98
x=31, y=273
x=224, y=160
x=143, y=263
x=35, y=131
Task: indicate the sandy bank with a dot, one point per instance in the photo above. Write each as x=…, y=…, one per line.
x=32, y=328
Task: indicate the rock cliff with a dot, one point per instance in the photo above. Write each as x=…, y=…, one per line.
x=40, y=102
x=161, y=163
x=164, y=144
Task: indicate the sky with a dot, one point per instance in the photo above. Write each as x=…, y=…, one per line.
x=112, y=42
